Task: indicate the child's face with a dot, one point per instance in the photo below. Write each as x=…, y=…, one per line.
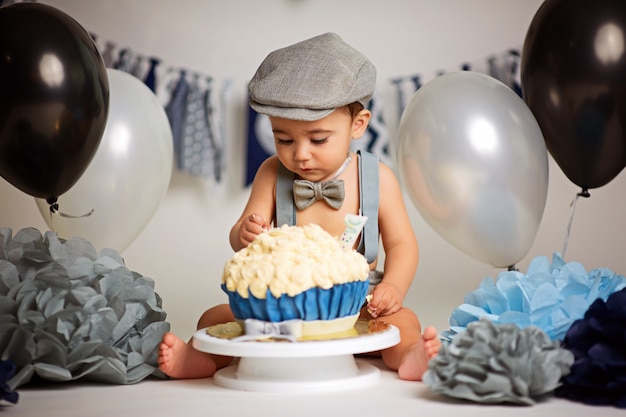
x=316, y=150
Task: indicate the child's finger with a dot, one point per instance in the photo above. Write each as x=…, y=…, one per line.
x=255, y=218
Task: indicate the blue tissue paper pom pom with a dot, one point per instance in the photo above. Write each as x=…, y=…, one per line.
x=551, y=296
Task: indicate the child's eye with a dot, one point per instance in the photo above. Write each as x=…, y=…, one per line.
x=283, y=141
x=319, y=141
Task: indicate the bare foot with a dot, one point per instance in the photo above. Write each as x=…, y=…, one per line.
x=432, y=343
x=178, y=359
x=415, y=361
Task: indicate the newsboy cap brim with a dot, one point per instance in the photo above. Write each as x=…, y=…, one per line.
x=310, y=79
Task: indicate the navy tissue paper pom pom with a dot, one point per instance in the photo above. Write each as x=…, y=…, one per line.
x=598, y=341
x=7, y=370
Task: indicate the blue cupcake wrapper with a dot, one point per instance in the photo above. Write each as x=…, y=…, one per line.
x=314, y=304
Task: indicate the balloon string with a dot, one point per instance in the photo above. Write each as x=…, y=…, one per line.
x=54, y=208
x=583, y=193
x=51, y=222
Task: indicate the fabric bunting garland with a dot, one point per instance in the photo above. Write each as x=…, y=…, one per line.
x=194, y=103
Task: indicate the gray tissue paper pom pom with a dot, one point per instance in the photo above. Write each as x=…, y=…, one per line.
x=498, y=363
x=69, y=312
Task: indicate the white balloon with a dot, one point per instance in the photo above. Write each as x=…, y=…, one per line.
x=129, y=175
x=475, y=165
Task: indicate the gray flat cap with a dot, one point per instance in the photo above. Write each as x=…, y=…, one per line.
x=310, y=79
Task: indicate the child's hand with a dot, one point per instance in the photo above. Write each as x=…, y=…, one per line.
x=385, y=300
x=251, y=227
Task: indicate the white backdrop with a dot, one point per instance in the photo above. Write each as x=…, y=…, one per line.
x=185, y=245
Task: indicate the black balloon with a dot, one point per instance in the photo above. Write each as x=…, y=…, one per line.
x=54, y=97
x=573, y=74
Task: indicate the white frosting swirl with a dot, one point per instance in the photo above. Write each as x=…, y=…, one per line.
x=290, y=260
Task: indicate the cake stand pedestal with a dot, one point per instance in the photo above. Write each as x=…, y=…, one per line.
x=304, y=366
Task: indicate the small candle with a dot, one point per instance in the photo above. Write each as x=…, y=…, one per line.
x=354, y=225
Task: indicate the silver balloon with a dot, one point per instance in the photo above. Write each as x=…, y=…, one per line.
x=474, y=162
x=129, y=175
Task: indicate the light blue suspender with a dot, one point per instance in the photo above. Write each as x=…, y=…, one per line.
x=368, y=190
x=285, y=207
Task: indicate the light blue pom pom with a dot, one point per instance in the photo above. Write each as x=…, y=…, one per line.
x=550, y=296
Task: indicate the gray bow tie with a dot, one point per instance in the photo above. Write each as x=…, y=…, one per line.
x=307, y=192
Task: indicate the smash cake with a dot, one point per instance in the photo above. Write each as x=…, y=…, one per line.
x=297, y=275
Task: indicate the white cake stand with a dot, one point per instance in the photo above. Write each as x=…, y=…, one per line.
x=315, y=365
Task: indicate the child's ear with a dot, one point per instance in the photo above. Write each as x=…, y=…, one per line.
x=360, y=123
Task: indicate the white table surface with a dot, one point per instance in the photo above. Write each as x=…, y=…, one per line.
x=386, y=397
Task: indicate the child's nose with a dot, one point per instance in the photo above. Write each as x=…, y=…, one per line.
x=302, y=153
